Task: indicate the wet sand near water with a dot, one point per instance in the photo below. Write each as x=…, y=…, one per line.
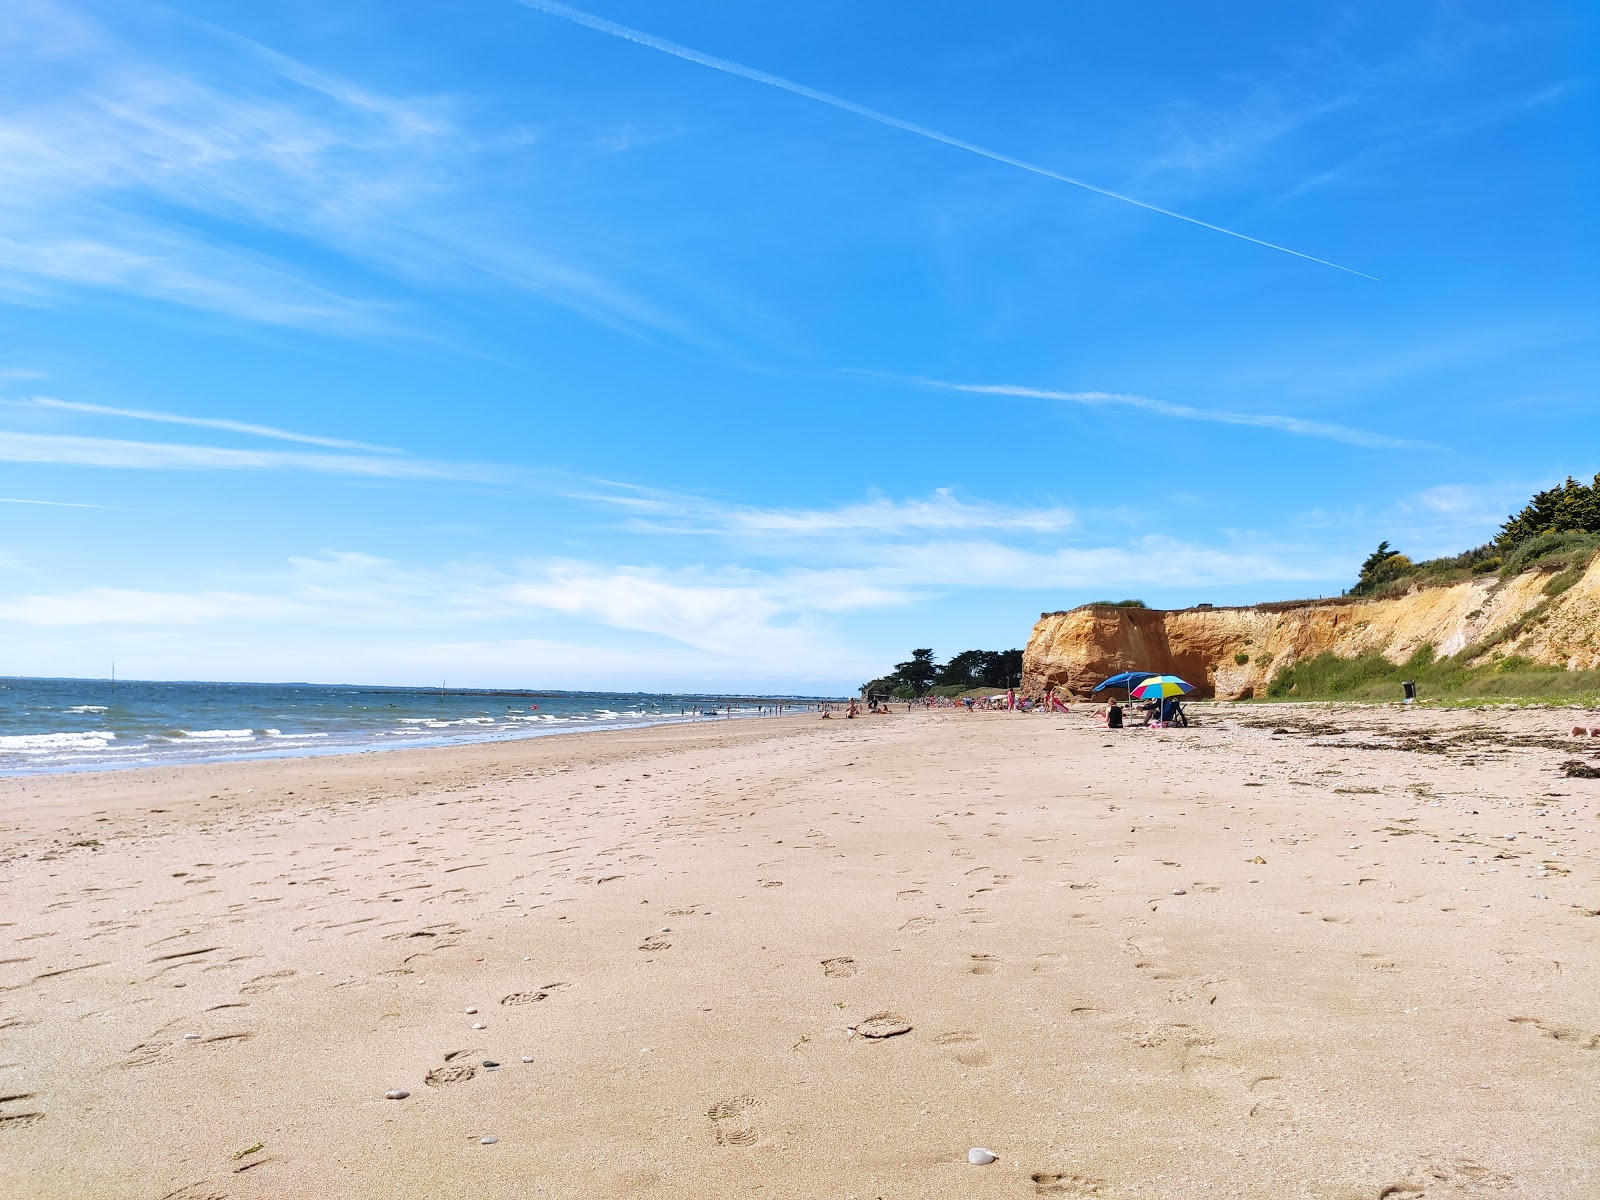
x=1309, y=951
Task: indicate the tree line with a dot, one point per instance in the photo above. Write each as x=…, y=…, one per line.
x=921, y=674
x=1557, y=530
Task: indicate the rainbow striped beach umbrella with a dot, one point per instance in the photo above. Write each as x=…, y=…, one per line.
x=1162, y=686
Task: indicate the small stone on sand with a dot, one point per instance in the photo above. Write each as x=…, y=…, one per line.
x=480, y=1025
x=882, y=1025
x=490, y=1063
x=487, y=1141
x=471, y=1011
x=397, y=1094
x=979, y=1157
x=191, y=1037
x=527, y=1058
x=1180, y=891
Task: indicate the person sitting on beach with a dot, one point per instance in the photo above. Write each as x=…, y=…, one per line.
x=1113, y=715
x=1149, y=709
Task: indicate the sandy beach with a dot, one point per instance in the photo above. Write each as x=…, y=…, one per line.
x=1293, y=951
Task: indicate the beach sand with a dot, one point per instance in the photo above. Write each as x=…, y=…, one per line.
x=1213, y=962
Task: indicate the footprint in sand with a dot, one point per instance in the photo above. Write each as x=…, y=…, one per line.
x=1571, y=1037
x=1064, y=1183
x=967, y=1051
x=983, y=964
x=204, y=1190
x=263, y=983
x=731, y=1121
x=258, y=1162
x=1460, y=1180
x=917, y=923
x=444, y=1076
x=839, y=968
x=531, y=997
x=18, y=1120
x=1268, y=1101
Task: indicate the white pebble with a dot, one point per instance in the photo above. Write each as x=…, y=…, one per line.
x=527, y=1058
x=487, y=1141
x=1179, y=892
x=191, y=1037
x=397, y=1094
x=480, y=1025
x=979, y=1157
x=471, y=1011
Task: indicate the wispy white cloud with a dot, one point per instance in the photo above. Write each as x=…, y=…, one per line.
x=1407, y=136
x=244, y=427
x=727, y=67
x=64, y=504
x=113, y=161
x=942, y=512
x=1185, y=412
x=731, y=611
x=130, y=606
x=171, y=456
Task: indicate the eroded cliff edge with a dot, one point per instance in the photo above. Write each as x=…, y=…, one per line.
x=1074, y=650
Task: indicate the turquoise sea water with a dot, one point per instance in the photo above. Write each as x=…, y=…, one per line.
x=78, y=724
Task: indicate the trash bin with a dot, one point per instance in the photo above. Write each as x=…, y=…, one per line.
x=1409, y=687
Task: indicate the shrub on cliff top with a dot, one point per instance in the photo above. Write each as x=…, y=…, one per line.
x=1551, y=552
x=1116, y=604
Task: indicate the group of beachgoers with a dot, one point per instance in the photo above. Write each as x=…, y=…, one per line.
x=1163, y=713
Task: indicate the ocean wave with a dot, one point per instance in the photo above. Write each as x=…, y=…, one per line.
x=40, y=742
x=278, y=733
x=217, y=735
x=87, y=708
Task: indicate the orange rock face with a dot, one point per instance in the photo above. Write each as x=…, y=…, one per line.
x=1233, y=653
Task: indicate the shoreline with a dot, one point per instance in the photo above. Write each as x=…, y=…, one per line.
x=1339, y=954
x=223, y=756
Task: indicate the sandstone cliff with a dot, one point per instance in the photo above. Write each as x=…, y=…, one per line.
x=1074, y=650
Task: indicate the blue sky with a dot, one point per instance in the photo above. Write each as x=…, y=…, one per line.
x=395, y=342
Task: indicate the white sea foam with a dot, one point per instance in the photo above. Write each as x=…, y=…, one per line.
x=278, y=733
x=87, y=708
x=218, y=735
x=38, y=743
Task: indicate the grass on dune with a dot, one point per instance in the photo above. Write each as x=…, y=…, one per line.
x=1370, y=676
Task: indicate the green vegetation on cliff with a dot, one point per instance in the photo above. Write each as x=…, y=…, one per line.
x=1558, y=531
x=1371, y=676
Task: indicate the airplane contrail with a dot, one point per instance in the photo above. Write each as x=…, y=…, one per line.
x=639, y=37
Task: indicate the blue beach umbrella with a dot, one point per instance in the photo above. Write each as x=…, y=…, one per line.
x=1127, y=679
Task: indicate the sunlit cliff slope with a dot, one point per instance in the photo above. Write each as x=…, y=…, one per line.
x=1236, y=652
